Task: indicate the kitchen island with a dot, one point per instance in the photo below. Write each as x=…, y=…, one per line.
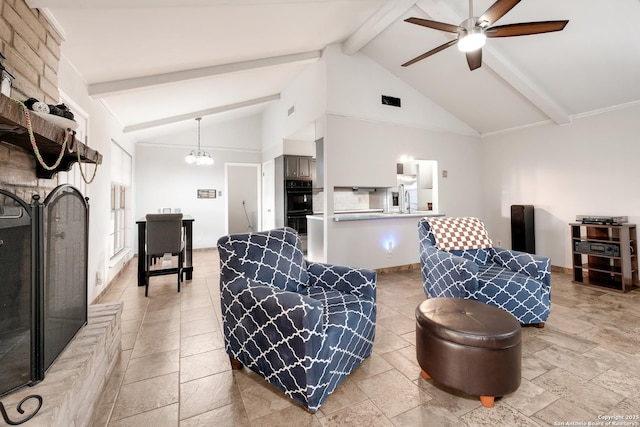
x=375, y=240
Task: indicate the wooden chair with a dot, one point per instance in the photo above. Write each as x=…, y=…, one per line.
x=164, y=236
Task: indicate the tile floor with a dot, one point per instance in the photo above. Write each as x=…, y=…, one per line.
x=583, y=365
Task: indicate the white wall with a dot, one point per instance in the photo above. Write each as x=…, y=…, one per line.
x=102, y=128
x=163, y=179
x=307, y=93
x=355, y=88
x=587, y=167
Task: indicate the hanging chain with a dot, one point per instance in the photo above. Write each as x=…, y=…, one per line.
x=198, y=119
x=84, y=178
x=65, y=144
x=32, y=139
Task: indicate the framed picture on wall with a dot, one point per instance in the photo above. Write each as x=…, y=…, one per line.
x=206, y=194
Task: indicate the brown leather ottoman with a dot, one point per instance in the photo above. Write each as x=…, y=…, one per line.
x=469, y=346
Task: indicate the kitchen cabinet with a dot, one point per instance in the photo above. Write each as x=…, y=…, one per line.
x=297, y=167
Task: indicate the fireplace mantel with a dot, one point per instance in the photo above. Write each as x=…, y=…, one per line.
x=48, y=136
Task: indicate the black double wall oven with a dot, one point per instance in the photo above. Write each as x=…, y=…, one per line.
x=298, y=204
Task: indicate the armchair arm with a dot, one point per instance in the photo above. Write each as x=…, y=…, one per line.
x=447, y=275
x=534, y=266
x=357, y=281
x=268, y=328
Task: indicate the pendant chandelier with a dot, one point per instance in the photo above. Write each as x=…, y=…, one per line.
x=199, y=157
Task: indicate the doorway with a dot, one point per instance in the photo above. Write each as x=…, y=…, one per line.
x=268, y=203
x=243, y=197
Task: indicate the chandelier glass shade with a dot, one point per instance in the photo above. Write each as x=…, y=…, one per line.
x=199, y=157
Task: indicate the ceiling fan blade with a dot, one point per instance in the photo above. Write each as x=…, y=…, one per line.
x=435, y=25
x=474, y=59
x=496, y=11
x=431, y=52
x=526, y=28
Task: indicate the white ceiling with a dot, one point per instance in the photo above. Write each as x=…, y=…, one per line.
x=157, y=64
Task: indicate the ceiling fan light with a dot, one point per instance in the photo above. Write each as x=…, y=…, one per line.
x=471, y=41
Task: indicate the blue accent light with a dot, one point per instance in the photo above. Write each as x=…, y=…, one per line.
x=389, y=243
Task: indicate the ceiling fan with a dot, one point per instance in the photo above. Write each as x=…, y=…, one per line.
x=473, y=32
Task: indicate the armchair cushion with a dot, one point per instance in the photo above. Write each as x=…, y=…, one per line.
x=517, y=293
x=459, y=233
x=449, y=275
x=359, y=282
x=302, y=327
x=270, y=259
x=535, y=266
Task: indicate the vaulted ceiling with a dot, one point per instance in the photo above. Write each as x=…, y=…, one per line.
x=157, y=64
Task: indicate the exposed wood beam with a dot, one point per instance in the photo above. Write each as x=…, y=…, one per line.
x=384, y=17
x=98, y=90
x=505, y=69
x=201, y=113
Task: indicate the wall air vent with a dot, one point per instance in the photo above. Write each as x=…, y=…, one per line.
x=390, y=100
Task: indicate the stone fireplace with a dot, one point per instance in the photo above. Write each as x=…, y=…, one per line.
x=51, y=343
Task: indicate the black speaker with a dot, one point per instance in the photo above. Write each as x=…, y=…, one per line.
x=523, y=229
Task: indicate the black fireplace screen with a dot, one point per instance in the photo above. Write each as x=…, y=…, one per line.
x=16, y=292
x=65, y=269
x=43, y=283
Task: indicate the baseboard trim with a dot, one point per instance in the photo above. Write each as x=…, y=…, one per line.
x=397, y=268
x=563, y=270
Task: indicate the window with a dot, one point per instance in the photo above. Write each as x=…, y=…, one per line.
x=118, y=219
x=119, y=232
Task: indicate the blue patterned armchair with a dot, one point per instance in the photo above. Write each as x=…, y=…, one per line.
x=458, y=260
x=302, y=326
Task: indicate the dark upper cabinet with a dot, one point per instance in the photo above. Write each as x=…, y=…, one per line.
x=304, y=167
x=297, y=167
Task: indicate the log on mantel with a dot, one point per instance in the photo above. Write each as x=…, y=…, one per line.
x=48, y=136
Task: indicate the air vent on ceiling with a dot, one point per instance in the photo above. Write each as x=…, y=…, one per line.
x=390, y=100
x=291, y=110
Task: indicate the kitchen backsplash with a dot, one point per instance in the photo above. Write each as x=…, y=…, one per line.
x=347, y=199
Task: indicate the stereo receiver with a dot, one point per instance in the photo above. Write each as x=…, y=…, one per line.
x=604, y=220
x=593, y=248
